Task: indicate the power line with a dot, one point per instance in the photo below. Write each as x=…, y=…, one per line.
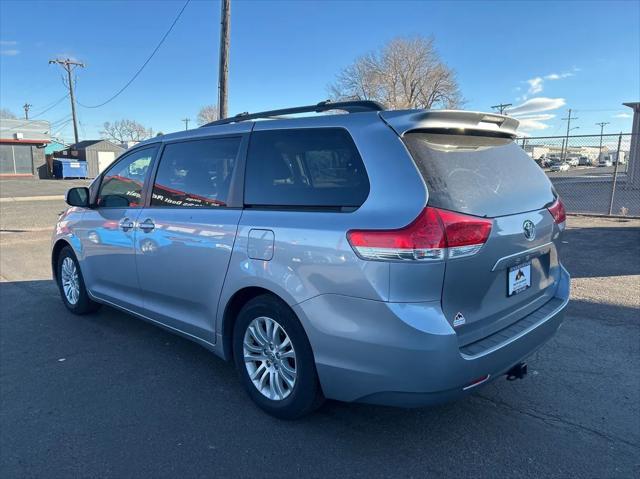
x=33, y=117
x=54, y=124
x=60, y=128
x=186, y=123
x=597, y=109
x=50, y=106
x=164, y=37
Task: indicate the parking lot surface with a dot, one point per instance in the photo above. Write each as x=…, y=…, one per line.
x=108, y=395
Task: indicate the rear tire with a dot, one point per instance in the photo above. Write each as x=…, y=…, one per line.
x=279, y=357
x=71, y=284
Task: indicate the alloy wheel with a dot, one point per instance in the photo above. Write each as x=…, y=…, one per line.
x=270, y=358
x=70, y=281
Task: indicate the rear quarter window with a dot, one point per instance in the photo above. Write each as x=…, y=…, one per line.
x=307, y=168
x=478, y=175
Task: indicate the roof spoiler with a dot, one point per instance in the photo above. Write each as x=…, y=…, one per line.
x=403, y=121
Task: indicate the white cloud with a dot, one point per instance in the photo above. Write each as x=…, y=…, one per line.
x=536, y=105
x=11, y=52
x=8, y=43
x=556, y=76
x=532, y=125
x=536, y=84
x=537, y=116
x=622, y=115
x=534, y=122
x=530, y=113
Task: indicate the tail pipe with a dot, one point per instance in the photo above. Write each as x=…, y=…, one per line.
x=518, y=371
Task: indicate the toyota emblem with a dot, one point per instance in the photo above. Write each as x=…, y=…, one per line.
x=529, y=230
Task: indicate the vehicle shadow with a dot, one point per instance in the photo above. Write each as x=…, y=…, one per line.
x=602, y=251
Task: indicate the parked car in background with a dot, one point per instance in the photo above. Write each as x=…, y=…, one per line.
x=285, y=246
x=544, y=162
x=561, y=166
x=573, y=161
x=584, y=161
x=606, y=162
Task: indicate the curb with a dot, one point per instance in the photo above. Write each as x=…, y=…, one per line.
x=12, y=199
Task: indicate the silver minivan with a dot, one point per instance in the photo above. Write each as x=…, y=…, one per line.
x=389, y=257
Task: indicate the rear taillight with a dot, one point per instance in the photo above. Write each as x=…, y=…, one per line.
x=558, y=212
x=434, y=235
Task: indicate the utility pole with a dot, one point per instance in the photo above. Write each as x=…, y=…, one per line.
x=69, y=66
x=601, y=125
x=26, y=107
x=223, y=70
x=186, y=123
x=501, y=107
x=568, y=120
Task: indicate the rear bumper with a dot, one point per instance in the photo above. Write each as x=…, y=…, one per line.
x=407, y=354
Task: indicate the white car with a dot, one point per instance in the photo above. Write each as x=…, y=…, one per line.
x=605, y=163
x=560, y=167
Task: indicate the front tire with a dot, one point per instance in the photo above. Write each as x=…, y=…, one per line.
x=274, y=359
x=71, y=284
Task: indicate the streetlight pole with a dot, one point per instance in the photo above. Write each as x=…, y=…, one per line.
x=601, y=125
x=568, y=120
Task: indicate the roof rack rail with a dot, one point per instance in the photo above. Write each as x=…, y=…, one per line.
x=355, y=106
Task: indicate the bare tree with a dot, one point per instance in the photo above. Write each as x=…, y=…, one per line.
x=207, y=114
x=7, y=114
x=122, y=131
x=405, y=73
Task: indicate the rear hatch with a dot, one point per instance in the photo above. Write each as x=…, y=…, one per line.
x=484, y=174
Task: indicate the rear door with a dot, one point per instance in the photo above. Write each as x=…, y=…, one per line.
x=187, y=231
x=516, y=270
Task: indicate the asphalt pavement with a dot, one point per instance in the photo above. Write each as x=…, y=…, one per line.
x=108, y=395
x=36, y=189
x=587, y=172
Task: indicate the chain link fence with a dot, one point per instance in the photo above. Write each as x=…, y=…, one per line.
x=593, y=174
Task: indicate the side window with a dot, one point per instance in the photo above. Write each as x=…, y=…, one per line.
x=122, y=184
x=315, y=167
x=195, y=174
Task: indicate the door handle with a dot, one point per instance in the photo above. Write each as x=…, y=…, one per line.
x=147, y=225
x=126, y=224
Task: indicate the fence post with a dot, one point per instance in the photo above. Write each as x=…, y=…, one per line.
x=615, y=176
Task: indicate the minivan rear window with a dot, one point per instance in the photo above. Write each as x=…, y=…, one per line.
x=478, y=175
x=308, y=168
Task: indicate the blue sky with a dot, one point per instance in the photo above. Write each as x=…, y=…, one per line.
x=546, y=56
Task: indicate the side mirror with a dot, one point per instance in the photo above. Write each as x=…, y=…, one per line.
x=78, y=197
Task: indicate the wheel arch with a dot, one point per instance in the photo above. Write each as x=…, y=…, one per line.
x=55, y=254
x=231, y=310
